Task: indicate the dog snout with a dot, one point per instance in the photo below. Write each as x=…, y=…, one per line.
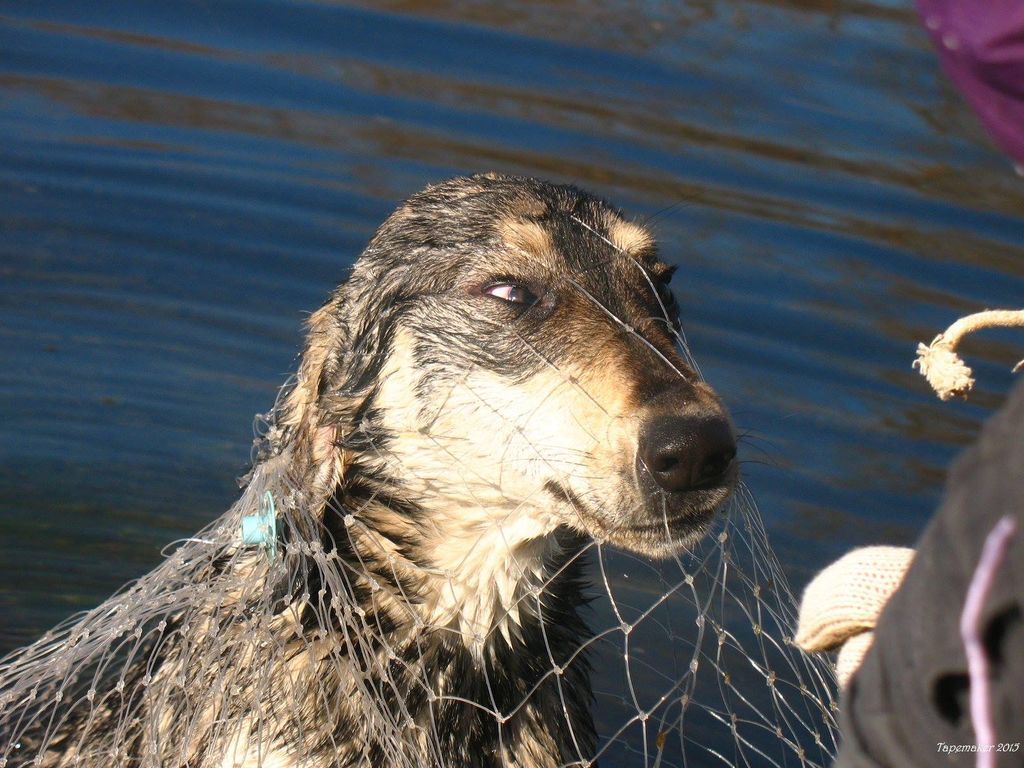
x=689, y=450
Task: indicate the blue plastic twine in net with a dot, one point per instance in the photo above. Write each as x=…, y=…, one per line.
x=260, y=530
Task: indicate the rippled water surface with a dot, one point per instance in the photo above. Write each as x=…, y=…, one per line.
x=180, y=183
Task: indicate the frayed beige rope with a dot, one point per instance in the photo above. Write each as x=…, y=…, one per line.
x=944, y=369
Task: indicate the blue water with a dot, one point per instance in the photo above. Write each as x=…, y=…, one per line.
x=180, y=183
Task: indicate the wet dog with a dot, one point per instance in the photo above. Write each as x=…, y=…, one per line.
x=496, y=384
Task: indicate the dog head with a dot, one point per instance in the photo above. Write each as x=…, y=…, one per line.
x=505, y=354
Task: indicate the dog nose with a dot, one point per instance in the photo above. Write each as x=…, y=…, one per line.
x=687, y=452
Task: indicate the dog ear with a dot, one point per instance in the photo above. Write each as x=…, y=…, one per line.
x=301, y=421
x=347, y=341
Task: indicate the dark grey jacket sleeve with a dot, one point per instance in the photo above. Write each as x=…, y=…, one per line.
x=908, y=703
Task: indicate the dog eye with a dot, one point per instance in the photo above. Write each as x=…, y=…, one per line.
x=665, y=274
x=668, y=298
x=512, y=293
x=669, y=305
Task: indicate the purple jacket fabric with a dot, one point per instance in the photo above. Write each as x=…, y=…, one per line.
x=981, y=46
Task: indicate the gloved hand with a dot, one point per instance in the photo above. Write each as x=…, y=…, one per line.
x=841, y=605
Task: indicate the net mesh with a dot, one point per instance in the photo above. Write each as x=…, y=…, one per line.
x=270, y=639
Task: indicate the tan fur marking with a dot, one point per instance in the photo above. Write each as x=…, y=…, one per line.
x=528, y=206
x=607, y=379
x=321, y=336
x=525, y=235
x=629, y=237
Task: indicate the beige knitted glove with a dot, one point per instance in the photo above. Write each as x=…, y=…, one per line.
x=842, y=603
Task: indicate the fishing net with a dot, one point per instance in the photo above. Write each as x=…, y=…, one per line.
x=269, y=638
